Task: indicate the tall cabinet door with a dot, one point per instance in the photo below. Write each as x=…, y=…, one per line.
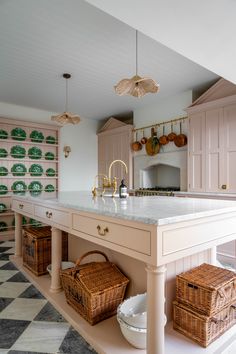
x=214, y=150
x=230, y=148
x=196, y=146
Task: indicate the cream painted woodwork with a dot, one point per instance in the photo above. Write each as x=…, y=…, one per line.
x=8, y=125
x=212, y=148
x=166, y=250
x=114, y=141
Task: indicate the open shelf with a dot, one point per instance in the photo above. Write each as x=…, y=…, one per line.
x=106, y=337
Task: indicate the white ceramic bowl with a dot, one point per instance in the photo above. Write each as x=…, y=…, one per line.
x=64, y=265
x=133, y=311
x=135, y=336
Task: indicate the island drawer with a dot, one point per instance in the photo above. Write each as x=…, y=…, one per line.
x=55, y=216
x=22, y=206
x=138, y=240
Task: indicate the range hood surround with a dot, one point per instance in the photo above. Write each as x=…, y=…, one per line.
x=174, y=161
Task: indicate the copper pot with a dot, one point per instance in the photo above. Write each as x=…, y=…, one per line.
x=181, y=139
x=144, y=139
x=171, y=135
x=136, y=145
x=163, y=140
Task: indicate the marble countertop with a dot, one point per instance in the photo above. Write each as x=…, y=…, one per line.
x=150, y=210
x=208, y=194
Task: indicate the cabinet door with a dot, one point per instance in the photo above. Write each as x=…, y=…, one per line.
x=230, y=148
x=214, y=150
x=196, y=146
x=115, y=145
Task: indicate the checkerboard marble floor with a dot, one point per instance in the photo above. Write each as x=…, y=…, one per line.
x=28, y=322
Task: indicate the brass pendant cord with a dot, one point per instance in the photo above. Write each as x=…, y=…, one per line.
x=66, y=105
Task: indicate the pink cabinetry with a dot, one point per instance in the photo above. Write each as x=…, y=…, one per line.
x=114, y=141
x=212, y=149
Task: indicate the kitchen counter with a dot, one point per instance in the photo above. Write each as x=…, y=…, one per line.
x=149, y=210
x=153, y=230
x=226, y=196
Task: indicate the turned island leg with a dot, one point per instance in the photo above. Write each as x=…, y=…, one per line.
x=56, y=249
x=156, y=318
x=18, y=235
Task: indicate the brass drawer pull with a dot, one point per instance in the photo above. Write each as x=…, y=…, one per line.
x=48, y=214
x=102, y=232
x=21, y=206
x=224, y=186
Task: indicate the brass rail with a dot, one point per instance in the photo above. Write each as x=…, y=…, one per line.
x=172, y=121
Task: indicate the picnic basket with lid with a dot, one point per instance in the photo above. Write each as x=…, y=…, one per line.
x=94, y=289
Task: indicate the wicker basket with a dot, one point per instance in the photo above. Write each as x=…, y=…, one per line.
x=200, y=328
x=37, y=248
x=94, y=289
x=206, y=288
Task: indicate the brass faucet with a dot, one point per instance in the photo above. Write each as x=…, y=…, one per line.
x=112, y=183
x=94, y=190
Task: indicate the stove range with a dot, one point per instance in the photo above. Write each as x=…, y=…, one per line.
x=154, y=191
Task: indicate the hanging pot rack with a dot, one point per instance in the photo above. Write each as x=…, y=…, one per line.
x=156, y=125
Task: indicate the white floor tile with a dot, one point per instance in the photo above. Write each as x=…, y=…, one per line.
x=43, y=337
x=2, y=263
x=7, y=274
x=8, y=244
x=12, y=289
x=23, y=309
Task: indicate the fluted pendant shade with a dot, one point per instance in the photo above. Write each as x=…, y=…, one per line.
x=136, y=86
x=66, y=117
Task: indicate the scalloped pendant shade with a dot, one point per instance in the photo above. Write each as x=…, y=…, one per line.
x=136, y=86
x=66, y=117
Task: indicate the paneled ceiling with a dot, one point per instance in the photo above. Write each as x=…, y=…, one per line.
x=40, y=40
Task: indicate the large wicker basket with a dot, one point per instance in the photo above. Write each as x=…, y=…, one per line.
x=200, y=328
x=94, y=289
x=206, y=288
x=37, y=248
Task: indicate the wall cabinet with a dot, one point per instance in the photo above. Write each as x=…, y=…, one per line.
x=212, y=149
x=114, y=142
x=28, y=165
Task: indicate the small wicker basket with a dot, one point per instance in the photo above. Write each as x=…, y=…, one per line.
x=94, y=289
x=200, y=328
x=206, y=288
x=37, y=248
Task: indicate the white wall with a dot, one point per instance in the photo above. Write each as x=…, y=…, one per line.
x=78, y=170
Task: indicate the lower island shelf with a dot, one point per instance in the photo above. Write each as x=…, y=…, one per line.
x=106, y=337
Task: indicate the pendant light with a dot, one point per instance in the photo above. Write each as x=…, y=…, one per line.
x=66, y=117
x=136, y=86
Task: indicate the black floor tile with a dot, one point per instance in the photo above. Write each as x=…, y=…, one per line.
x=4, y=302
x=5, y=256
x=10, y=331
x=8, y=266
x=4, y=249
x=73, y=343
x=20, y=352
x=49, y=313
x=31, y=293
x=18, y=277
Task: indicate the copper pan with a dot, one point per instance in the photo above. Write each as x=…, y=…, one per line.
x=136, y=145
x=163, y=140
x=181, y=139
x=171, y=135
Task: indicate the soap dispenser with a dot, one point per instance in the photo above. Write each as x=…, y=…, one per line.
x=122, y=190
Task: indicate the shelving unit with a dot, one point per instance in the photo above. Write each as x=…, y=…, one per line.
x=8, y=125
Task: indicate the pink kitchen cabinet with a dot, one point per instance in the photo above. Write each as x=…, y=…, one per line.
x=212, y=141
x=114, y=143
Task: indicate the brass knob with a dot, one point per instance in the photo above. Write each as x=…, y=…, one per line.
x=224, y=186
x=21, y=206
x=102, y=232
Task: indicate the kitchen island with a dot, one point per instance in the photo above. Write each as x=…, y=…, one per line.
x=154, y=230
